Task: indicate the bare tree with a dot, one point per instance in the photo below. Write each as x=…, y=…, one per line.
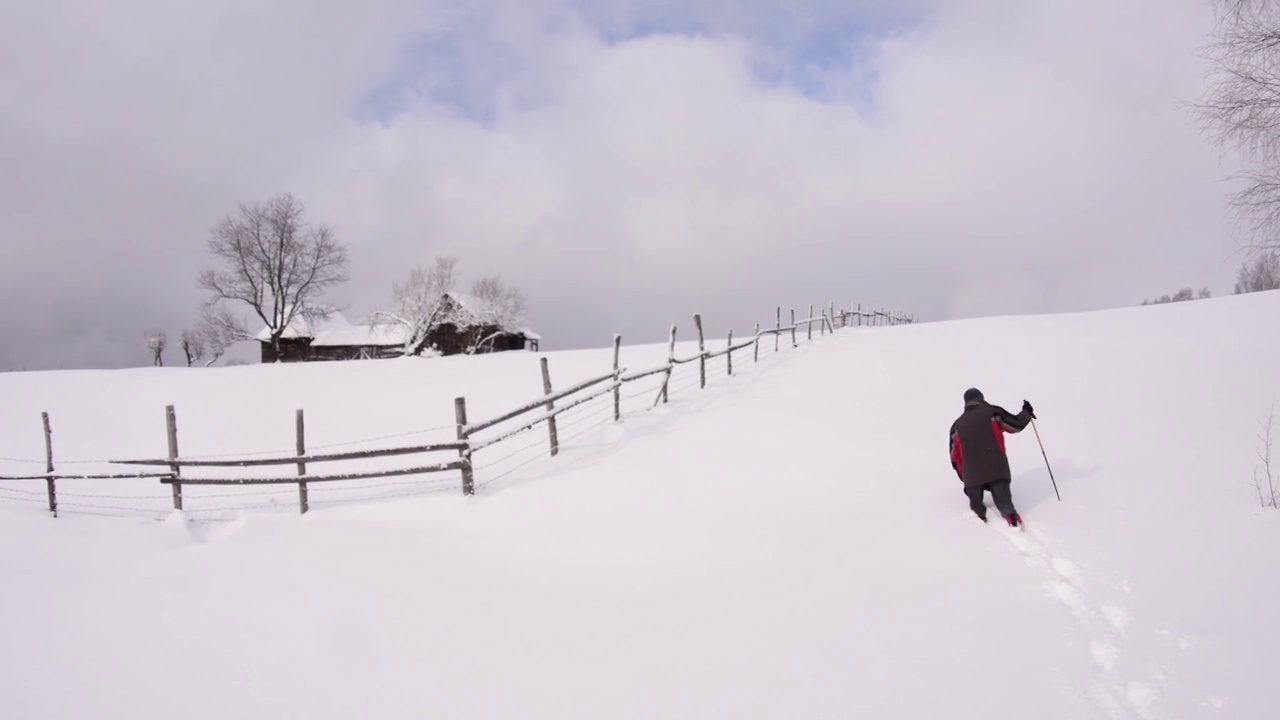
x=192, y=342
x=419, y=302
x=1259, y=274
x=157, y=341
x=275, y=263
x=500, y=305
x=1241, y=109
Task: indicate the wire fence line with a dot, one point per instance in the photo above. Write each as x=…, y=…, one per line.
x=496, y=447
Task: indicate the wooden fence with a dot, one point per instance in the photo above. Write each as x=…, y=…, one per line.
x=471, y=437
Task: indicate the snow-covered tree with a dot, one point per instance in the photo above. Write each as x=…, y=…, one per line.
x=499, y=305
x=157, y=341
x=419, y=302
x=426, y=300
x=192, y=342
x=275, y=263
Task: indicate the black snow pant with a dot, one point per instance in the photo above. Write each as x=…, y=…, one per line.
x=1000, y=492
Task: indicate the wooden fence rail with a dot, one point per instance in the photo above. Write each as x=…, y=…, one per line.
x=544, y=409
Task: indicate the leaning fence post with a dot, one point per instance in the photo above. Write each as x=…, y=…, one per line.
x=302, y=466
x=617, y=377
x=729, y=353
x=464, y=452
x=809, y=325
x=702, y=352
x=48, y=464
x=171, y=425
x=757, y=344
x=551, y=406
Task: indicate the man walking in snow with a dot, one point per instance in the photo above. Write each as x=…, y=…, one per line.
x=978, y=454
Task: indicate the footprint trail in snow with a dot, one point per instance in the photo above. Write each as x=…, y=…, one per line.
x=1103, y=624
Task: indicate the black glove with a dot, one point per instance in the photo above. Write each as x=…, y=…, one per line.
x=1026, y=408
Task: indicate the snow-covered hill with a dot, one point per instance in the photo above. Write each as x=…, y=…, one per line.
x=789, y=543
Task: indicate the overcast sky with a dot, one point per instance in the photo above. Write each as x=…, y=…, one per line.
x=626, y=164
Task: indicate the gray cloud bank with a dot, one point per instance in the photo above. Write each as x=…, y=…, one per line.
x=987, y=158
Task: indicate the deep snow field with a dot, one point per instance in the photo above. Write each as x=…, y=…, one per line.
x=789, y=542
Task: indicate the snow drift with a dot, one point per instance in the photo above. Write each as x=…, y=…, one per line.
x=789, y=542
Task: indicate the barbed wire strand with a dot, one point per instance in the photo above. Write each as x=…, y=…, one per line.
x=37, y=493
x=535, y=459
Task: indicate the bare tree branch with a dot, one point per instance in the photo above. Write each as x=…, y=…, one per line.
x=220, y=329
x=1264, y=457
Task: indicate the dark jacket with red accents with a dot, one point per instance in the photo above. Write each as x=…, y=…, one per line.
x=977, y=442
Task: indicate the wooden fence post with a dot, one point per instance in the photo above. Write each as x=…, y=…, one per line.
x=859, y=314
x=671, y=364
x=793, y=328
x=551, y=405
x=729, y=353
x=822, y=327
x=810, y=323
x=302, y=466
x=171, y=425
x=617, y=374
x=832, y=314
x=702, y=351
x=777, y=335
x=460, y=414
x=48, y=464
x=757, y=344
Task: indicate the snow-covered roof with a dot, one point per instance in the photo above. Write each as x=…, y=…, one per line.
x=336, y=330
x=470, y=309
x=301, y=327
x=379, y=335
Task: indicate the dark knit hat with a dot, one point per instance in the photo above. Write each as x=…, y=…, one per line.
x=973, y=395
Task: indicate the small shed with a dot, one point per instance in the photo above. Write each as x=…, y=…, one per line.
x=332, y=337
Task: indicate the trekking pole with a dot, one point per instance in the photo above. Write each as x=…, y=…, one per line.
x=1046, y=460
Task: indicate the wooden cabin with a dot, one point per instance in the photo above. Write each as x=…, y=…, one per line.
x=462, y=329
x=332, y=338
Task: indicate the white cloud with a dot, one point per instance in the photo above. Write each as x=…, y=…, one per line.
x=1017, y=157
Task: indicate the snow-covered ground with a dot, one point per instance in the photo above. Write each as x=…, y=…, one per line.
x=790, y=542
